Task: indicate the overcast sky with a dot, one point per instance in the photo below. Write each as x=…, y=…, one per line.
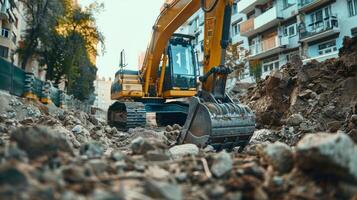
x=126, y=24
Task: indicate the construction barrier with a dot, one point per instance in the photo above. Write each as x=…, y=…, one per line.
x=23, y=84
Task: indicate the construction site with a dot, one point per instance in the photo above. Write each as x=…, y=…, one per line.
x=180, y=128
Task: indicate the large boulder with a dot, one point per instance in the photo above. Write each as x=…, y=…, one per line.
x=41, y=141
x=328, y=154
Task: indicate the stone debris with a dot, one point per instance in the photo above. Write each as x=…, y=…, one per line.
x=304, y=147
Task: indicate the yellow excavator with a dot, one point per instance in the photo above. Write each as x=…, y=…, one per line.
x=170, y=74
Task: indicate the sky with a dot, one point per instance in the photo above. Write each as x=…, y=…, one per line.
x=126, y=24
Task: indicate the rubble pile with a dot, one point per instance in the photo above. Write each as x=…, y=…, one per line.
x=310, y=98
x=48, y=153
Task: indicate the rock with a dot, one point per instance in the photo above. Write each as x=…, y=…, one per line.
x=278, y=155
x=182, y=150
x=108, y=129
x=13, y=152
x=354, y=119
x=117, y=155
x=176, y=127
x=12, y=175
x=163, y=190
x=328, y=154
x=169, y=128
x=100, y=194
x=295, y=120
x=216, y=192
x=157, y=155
x=262, y=135
x=73, y=174
x=334, y=126
x=93, y=120
x=77, y=129
x=157, y=173
x=98, y=166
x=92, y=149
x=222, y=164
x=41, y=141
x=140, y=146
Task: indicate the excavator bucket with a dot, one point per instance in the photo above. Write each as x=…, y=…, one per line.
x=221, y=125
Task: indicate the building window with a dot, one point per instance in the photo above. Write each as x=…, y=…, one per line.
x=288, y=3
x=235, y=29
x=5, y=33
x=290, y=30
x=4, y=52
x=354, y=32
x=270, y=64
x=352, y=7
x=327, y=47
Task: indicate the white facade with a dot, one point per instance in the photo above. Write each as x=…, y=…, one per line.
x=278, y=29
x=102, y=92
x=275, y=30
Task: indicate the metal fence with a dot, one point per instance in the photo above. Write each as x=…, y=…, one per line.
x=12, y=78
x=17, y=82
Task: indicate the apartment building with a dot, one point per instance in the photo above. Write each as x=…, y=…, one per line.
x=278, y=29
x=11, y=25
x=195, y=27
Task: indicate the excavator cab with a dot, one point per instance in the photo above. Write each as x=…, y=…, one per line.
x=181, y=71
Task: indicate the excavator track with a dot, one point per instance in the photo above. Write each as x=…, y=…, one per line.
x=126, y=115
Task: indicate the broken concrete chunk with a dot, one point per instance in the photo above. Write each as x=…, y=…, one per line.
x=328, y=154
x=278, y=155
x=92, y=149
x=222, y=164
x=140, y=146
x=295, y=120
x=41, y=141
x=163, y=190
x=182, y=150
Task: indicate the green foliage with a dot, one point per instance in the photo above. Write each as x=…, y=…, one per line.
x=63, y=37
x=255, y=69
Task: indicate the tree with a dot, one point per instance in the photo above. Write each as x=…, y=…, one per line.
x=41, y=17
x=64, y=37
x=236, y=59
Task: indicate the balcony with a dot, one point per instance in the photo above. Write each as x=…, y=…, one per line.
x=268, y=47
x=266, y=20
x=245, y=6
x=246, y=27
x=4, y=6
x=308, y=5
x=320, y=29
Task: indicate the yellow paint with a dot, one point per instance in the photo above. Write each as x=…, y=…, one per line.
x=46, y=101
x=179, y=93
x=30, y=95
x=124, y=94
x=162, y=75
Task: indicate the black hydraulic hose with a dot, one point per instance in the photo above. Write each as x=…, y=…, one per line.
x=206, y=10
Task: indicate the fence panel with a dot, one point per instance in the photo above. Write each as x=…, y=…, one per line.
x=55, y=96
x=5, y=75
x=37, y=87
x=18, y=81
